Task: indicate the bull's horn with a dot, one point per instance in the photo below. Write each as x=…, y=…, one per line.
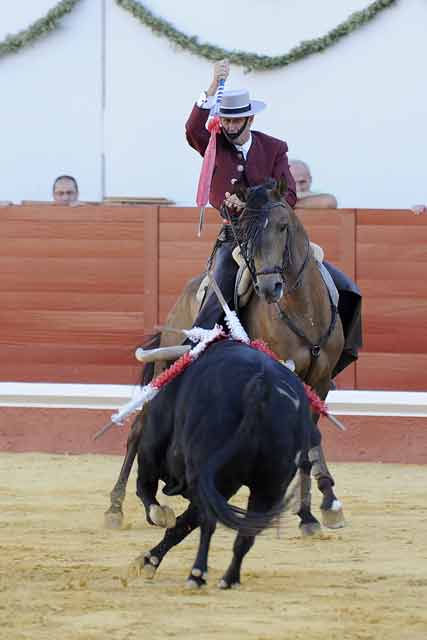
x=162, y=353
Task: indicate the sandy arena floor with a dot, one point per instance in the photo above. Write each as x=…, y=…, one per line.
x=62, y=575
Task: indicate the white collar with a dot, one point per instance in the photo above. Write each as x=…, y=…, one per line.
x=244, y=148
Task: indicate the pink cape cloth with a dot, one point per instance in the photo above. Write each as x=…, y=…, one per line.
x=208, y=164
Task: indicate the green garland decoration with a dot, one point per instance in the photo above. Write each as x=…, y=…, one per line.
x=254, y=61
x=38, y=29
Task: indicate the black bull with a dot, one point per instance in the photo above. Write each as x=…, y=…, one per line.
x=235, y=417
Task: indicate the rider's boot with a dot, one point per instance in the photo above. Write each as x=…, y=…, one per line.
x=224, y=272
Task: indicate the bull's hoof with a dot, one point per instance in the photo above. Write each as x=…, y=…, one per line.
x=145, y=564
x=151, y=564
x=136, y=567
x=310, y=529
x=162, y=516
x=113, y=519
x=196, y=579
x=223, y=584
x=333, y=518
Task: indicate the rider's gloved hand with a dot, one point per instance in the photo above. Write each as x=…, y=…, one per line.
x=221, y=71
x=234, y=203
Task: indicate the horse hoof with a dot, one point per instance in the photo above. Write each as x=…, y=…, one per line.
x=113, y=519
x=162, y=516
x=333, y=518
x=310, y=529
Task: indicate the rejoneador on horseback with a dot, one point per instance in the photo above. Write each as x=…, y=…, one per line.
x=306, y=310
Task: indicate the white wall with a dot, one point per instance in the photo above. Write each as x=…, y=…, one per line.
x=50, y=105
x=356, y=112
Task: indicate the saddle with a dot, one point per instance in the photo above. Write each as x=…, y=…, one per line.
x=244, y=286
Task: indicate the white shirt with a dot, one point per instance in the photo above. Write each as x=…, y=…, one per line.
x=244, y=148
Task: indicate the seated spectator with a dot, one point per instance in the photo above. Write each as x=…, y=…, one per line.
x=65, y=190
x=305, y=196
x=419, y=208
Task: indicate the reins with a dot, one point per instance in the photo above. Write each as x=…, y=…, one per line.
x=249, y=263
x=280, y=269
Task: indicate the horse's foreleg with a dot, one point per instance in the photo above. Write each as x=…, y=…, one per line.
x=331, y=507
x=309, y=525
x=113, y=517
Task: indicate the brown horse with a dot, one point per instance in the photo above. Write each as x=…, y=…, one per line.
x=292, y=313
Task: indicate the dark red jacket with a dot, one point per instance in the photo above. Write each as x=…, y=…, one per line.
x=266, y=159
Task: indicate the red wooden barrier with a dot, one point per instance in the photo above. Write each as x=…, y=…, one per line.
x=81, y=286
x=71, y=286
x=391, y=270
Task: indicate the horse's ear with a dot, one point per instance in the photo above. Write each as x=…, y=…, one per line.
x=241, y=193
x=282, y=186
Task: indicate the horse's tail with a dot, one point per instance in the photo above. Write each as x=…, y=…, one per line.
x=216, y=506
x=148, y=369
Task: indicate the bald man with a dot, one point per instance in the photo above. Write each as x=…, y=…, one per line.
x=419, y=208
x=306, y=198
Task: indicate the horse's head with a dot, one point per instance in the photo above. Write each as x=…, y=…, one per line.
x=266, y=231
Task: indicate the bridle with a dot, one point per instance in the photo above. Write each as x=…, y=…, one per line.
x=286, y=257
x=315, y=348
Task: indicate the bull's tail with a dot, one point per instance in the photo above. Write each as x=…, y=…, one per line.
x=216, y=506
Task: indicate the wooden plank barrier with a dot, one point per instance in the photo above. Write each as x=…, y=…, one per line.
x=80, y=287
x=391, y=271
x=71, y=286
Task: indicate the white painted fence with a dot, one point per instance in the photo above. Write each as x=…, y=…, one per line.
x=104, y=396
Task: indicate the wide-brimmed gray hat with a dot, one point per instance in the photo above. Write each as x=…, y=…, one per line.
x=238, y=104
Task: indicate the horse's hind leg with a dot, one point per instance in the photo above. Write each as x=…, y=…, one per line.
x=331, y=507
x=113, y=517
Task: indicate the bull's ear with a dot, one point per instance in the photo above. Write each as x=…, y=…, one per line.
x=282, y=186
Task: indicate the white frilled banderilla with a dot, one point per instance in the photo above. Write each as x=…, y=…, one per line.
x=202, y=339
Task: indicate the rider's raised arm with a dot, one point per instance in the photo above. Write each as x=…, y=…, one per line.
x=281, y=170
x=195, y=128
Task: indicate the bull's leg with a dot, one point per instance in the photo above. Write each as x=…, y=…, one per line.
x=147, y=485
x=150, y=561
x=199, y=572
x=331, y=507
x=309, y=525
x=113, y=517
x=242, y=544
